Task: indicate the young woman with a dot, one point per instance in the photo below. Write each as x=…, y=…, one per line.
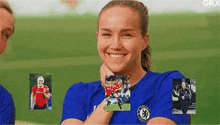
x=123, y=47
x=7, y=108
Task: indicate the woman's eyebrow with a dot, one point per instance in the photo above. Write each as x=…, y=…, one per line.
x=124, y=30
x=106, y=29
x=9, y=29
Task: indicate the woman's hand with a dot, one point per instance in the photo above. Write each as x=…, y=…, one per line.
x=104, y=70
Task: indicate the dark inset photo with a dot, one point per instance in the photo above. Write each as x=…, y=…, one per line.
x=184, y=96
x=117, y=93
x=40, y=92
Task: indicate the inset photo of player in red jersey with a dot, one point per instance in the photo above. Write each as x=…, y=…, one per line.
x=184, y=96
x=40, y=92
x=117, y=93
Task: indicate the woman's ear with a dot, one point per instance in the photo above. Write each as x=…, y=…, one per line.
x=146, y=39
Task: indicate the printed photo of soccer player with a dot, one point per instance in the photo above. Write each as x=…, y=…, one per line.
x=184, y=96
x=117, y=93
x=40, y=92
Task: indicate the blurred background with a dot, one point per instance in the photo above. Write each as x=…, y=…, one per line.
x=58, y=37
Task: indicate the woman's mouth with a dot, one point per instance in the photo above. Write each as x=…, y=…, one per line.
x=114, y=55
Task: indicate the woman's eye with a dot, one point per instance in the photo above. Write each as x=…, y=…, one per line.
x=105, y=34
x=127, y=35
x=6, y=35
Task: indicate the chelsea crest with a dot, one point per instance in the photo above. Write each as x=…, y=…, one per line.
x=143, y=113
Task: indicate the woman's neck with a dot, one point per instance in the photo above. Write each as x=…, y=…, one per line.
x=135, y=75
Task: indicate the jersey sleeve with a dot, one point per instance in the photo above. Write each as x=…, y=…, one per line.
x=163, y=104
x=47, y=89
x=34, y=89
x=7, y=108
x=74, y=104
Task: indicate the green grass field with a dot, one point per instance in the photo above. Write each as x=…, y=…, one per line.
x=115, y=107
x=66, y=47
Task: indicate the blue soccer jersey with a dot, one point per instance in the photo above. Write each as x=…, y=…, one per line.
x=7, y=108
x=150, y=97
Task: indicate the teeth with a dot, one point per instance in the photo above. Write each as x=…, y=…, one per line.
x=116, y=55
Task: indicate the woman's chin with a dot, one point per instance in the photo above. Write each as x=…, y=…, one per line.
x=117, y=70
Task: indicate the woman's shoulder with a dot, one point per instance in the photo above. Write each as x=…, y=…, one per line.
x=34, y=87
x=4, y=94
x=84, y=86
x=173, y=74
x=157, y=79
x=162, y=82
x=7, y=108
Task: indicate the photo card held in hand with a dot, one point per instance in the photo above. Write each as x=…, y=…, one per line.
x=117, y=93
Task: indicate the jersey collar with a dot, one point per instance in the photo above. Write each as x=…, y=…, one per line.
x=141, y=82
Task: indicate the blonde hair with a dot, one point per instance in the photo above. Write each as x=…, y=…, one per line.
x=143, y=21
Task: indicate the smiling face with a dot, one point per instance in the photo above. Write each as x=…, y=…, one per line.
x=119, y=39
x=6, y=28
